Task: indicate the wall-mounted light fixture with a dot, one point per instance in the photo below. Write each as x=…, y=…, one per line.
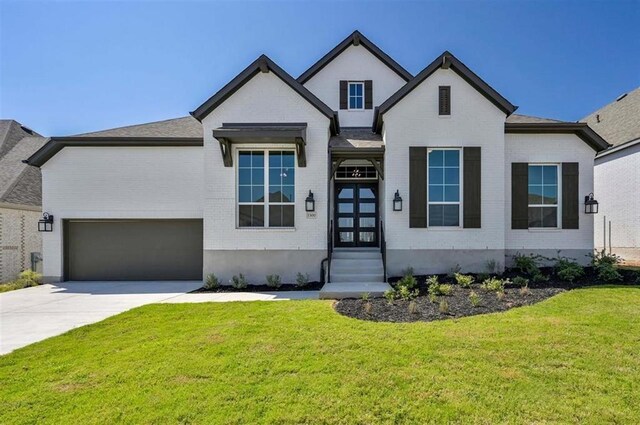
x=590, y=204
x=45, y=224
x=310, y=203
x=397, y=201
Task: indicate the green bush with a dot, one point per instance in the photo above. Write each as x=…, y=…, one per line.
x=302, y=280
x=463, y=280
x=26, y=279
x=474, y=299
x=492, y=267
x=273, y=281
x=527, y=264
x=390, y=295
x=605, y=265
x=568, y=270
x=239, y=281
x=407, y=281
x=494, y=284
x=408, y=271
x=445, y=289
x=30, y=275
x=540, y=278
x=433, y=298
x=521, y=281
x=406, y=293
x=212, y=282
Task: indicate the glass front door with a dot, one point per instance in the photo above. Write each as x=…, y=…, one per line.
x=356, y=214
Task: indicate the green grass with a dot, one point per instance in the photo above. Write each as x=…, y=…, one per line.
x=574, y=358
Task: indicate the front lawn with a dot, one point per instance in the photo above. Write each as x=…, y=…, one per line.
x=573, y=358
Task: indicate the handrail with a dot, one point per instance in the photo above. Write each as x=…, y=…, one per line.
x=383, y=251
x=329, y=250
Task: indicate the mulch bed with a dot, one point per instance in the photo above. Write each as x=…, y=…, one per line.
x=311, y=286
x=380, y=310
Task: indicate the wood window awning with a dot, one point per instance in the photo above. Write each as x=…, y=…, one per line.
x=260, y=133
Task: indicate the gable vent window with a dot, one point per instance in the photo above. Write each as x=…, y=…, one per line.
x=444, y=100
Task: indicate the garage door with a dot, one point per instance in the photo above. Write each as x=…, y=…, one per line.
x=133, y=249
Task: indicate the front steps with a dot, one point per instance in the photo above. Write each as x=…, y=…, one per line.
x=355, y=271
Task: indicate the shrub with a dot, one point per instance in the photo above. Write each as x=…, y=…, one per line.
x=390, y=295
x=444, y=307
x=408, y=281
x=568, y=270
x=463, y=280
x=494, y=284
x=407, y=294
x=302, y=280
x=605, y=266
x=30, y=276
x=474, y=299
x=540, y=278
x=212, y=282
x=527, y=264
x=433, y=298
x=273, y=281
x=239, y=281
x=482, y=277
x=454, y=270
x=365, y=296
x=435, y=287
x=492, y=266
x=521, y=281
x=408, y=271
x=445, y=289
x=413, y=307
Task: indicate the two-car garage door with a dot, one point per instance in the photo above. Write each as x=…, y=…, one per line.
x=133, y=249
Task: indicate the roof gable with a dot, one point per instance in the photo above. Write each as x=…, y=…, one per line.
x=355, y=39
x=445, y=61
x=264, y=64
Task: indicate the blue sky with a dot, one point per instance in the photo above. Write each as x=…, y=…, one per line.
x=70, y=67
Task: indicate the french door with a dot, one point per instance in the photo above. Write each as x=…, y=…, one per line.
x=356, y=214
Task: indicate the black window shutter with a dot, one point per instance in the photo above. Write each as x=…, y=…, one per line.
x=343, y=94
x=417, y=187
x=444, y=100
x=570, y=198
x=519, y=195
x=368, y=94
x=472, y=188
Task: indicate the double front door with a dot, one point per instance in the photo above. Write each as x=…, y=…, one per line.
x=356, y=214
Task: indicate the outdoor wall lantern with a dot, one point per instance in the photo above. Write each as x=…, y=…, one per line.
x=45, y=224
x=590, y=204
x=397, y=201
x=310, y=203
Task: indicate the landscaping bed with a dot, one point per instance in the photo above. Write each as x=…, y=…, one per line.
x=311, y=286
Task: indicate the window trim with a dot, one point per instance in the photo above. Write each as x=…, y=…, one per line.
x=461, y=189
x=349, y=83
x=558, y=205
x=267, y=202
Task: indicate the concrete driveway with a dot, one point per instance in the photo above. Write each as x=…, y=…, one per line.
x=33, y=314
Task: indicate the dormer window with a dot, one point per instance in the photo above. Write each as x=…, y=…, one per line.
x=356, y=95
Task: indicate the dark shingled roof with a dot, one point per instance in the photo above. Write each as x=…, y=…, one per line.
x=356, y=138
x=619, y=121
x=19, y=183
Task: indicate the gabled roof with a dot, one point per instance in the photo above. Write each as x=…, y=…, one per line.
x=20, y=185
x=355, y=39
x=177, y=127
x=446, y=61
x=580, y=129
x=264, y=64
x=619, y=121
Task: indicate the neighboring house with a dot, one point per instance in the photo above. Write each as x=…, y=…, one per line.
x=617, y=176
x=226, y=191
x=20, y=199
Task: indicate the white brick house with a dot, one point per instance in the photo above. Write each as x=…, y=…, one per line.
x=225, y=191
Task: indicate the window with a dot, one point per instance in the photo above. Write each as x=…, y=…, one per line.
x=543, y=196
x=444, y=187
x=444, y=100
x=254, y=208
x=356, y=95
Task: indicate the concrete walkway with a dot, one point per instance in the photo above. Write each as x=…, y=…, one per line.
x=33, y=314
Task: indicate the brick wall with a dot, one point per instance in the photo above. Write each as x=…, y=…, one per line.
x=19, y=237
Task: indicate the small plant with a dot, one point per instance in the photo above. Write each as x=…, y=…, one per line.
x=540, y=278
x=212, y=282
x=605, y=266
x=445, y=289
x=31, y=276
x=474, y=299
x=366, y=299
x=273, y=281
x=527, y=264
x=434, y=285
x=413, y=307
x=239, y=281
x=494, y=284
x=463, y=280
x=521, y=281
x=443, y=307
x=408, y=271
x=492, y=267
x=568, y=270
x=302, y=280
x=525, y=291
x=390, y=295
x=433, y=298
x=365, y=296
x=454, y=270
x=500, y=295
x=481, y=277
x=407, y=294
x=408, y=281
